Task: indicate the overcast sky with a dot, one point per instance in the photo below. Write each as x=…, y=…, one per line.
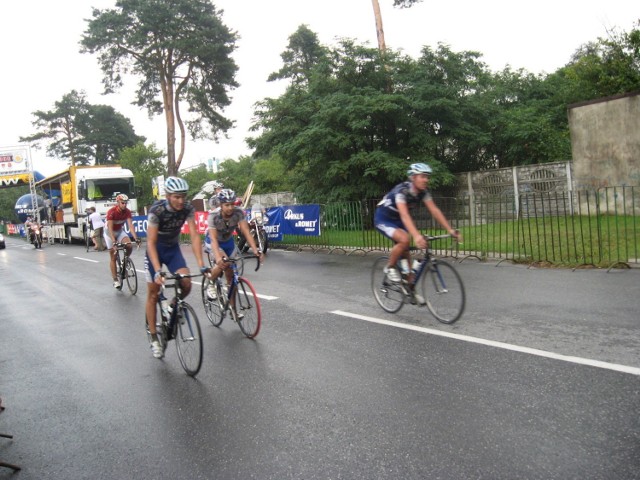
x=41, y=62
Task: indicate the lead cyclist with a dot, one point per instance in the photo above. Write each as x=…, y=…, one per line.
x=393, y=217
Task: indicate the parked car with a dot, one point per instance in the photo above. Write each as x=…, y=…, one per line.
x=2, y=244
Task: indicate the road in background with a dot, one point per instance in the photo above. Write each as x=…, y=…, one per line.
x=326, y=390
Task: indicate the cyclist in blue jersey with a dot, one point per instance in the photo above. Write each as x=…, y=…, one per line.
x=222, y=223
x=393, y=217
x=164, y=222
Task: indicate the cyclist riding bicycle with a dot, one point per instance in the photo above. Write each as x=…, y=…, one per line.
x=165, y=220
x=394, y=220
x=214, y=204
x=222, y=224
x=117, y=216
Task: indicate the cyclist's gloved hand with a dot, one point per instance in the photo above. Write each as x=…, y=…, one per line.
x=204, y=270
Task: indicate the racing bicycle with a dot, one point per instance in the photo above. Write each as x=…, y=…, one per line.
x=180, y=323
x=239, y=300
x=128, y=273
x=438, y=280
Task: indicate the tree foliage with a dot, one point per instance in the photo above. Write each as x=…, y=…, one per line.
x=82, y=133
x=352, y=120
x=146, y=163
x=181, y=53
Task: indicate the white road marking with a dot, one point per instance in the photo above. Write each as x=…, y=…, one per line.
x=491, y=343
x=87, y=260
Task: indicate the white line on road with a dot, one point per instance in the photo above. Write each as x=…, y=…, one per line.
x=491, y=343
x=87, y=260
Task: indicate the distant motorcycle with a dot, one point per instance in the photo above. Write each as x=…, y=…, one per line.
x=35, y=235
x=256, y=230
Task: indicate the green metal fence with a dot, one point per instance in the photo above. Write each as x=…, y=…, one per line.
x=591, y=227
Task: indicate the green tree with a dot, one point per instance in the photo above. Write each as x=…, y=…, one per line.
x=181, y=51
x=82, y=133
x=146, y=163
x=106, y=132
x=62, y=128
x=237, y=175
x=196, y=178
x=270, y=175
x=304, y=52
x=8, y=198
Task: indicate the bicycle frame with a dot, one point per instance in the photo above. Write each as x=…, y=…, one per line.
x=234, y=280
x=426, y=261
x=182, y=326
x=177, y=287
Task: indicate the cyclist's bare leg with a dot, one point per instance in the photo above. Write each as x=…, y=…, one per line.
x=185, y=283
x=128, y=245
x=153, y=289
x=112, y=266
x=402, y=240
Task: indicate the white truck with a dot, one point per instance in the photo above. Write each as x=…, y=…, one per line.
x=70, y=193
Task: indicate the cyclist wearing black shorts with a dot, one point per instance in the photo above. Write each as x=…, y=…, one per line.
x=164, y=222
x=393, y=216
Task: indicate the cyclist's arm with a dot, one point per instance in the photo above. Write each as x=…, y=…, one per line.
x=244, y=228
x=152, y=250
x=215, y=246
x=439, y=217
x=110, y=230
x=196, y=243
x=131, y=229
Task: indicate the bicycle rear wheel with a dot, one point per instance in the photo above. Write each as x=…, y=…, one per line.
x=212, y=306
x=443, y=291
x=188, y=339
x=388, y=294
x=131, y=276
x=248, y=308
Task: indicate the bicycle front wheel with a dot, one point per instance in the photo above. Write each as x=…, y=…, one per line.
x=443, y=291
x=212, y=306
x=247, y=306
x=388, y=294
x=188, y=339
x=87, y=240
x=131, y=276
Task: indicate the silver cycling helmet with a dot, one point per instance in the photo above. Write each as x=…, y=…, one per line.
x=175, y=185
x=227, y=196
x=217, y=184
x=417, y=168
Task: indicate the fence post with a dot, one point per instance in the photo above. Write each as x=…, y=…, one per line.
x=472, y=200
x=515, y=190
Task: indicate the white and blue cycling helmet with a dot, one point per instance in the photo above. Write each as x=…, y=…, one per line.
x=417, y=168
x=227, y=196
x=175, y=185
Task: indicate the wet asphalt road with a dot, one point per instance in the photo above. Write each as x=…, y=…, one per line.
x=320, y=394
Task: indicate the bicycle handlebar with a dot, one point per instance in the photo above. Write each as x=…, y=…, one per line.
x=178, y=276
x=245, y=257
x=429, y=238
x=122, y=245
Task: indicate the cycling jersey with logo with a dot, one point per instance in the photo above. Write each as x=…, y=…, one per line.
x=119, y=217
x=402, y=193
x=168, y=221
x=225, y=226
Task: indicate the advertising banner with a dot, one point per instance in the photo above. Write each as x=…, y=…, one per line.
x=293, y=220
x=285, y=220
x=13, y=161
x=14, y=167
x=140, y=224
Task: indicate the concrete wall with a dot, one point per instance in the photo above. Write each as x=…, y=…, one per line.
x=605, y=142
